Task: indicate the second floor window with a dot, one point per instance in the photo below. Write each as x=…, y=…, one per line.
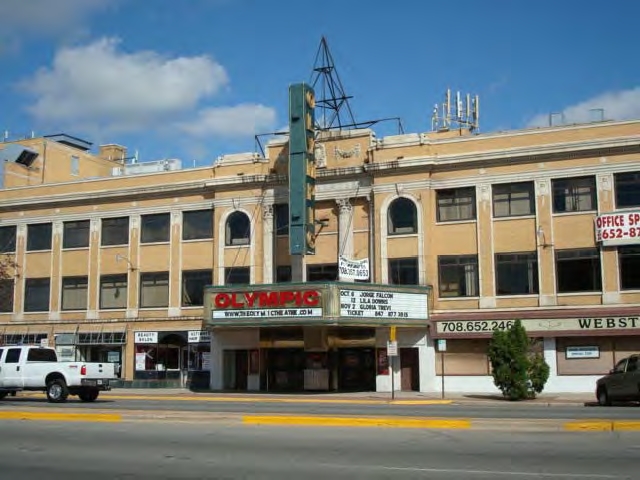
x=458, y=275
x=578, y=270
x=6, y=295
x=283, y=273
x=516, y=273
x=629, y=261
x=193, y=285
x=627, y=187
x=574, y=194
x=74, y=293
x=8, y=239
x=39, y=237
x=154, y=290
x=456, y=204
x=155, y=228
x=115, y=231
x=76, y=234
x=403, y=271
x=281, y=213
x=237, y=276
x=113, y=291
x=322, y=273
x=513, y=199
x=36, y=294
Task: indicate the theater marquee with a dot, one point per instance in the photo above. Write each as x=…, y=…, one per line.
x=307, y=303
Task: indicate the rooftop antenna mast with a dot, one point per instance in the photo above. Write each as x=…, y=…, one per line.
x=332, y=103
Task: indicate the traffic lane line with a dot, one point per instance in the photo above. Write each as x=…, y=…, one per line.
x=603, y=425
x=62, y=417
x=388, y=422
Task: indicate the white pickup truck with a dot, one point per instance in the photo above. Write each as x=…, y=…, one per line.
x=35, y=368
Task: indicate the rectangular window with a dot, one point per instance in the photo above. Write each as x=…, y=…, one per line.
x=193, y=285
x=237, y=276
x=627, y=189
x=574, y=194
x=8, y=239
x=629, y=261
x=281, y=212
x=155, y=228
x=516, y=273
x=403, y=271
x=41, y=355
x=115, y=231
x=76, y=234
x=283, y=273
x=36, y=294
x=6, y=295
x=75, y=293
x=39, y=237
x=113, y=291
x=513, y=199
x=322, y=273
x=75, y=165
x=13, y=355
x=154, y=290
x=578, y=270
x=458, y=275
x=197, y=224
x=456, y=204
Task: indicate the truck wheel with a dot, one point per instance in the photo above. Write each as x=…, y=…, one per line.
x=603, y=398
x=89, y=395
x=57, y=391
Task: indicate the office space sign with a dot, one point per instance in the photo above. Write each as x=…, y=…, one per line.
x=618, y=228
x=353, y=269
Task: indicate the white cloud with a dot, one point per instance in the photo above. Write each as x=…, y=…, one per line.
x=239, y=120
x=47, y=17
x=99, y=86
x=617, y=105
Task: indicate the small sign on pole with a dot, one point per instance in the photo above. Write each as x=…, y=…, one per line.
x=442, y=344
x=392, y=349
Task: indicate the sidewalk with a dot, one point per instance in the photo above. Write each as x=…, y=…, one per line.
x=457, y=398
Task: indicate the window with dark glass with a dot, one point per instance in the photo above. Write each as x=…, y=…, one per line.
x=113, y=291
x=6, y=295
x=154, y=290
x=322, y=273
x=402, y=217
x=629, y=264
x=513, y=199
x=517, y=273
x=41, y=355
x=237, y=276
x=36, y=294
x=197, y=224
x=75, y=293
x=75, y=234
x=574, y=194
x=193, y=285
x=458, y=275
x=281, y=213
x=456, y=204
x=115, y=231
x=155, y=228
x=627, y=187
x=238, y=229
x=283, y=273
x=403, y=271
x=578, y=270
x=39, y=236
x=8, y=239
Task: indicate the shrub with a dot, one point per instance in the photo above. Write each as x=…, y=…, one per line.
x=517, y=371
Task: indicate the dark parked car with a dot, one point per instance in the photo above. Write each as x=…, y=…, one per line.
x=622, y=384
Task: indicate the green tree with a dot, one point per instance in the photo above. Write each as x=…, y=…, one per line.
x=518, y=371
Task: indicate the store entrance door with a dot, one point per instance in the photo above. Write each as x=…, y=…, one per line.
x=356, y=369
x=409, y=371
x=236, y=369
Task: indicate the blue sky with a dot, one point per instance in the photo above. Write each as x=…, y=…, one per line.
x=195, y=79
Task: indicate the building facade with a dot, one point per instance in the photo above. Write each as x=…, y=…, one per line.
x=540, y=225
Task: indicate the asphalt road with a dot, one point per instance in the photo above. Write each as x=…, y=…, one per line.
x=78, y=451
x=480, y=410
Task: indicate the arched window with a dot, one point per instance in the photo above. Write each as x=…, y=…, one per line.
x=403, y=217
x=238, y=229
